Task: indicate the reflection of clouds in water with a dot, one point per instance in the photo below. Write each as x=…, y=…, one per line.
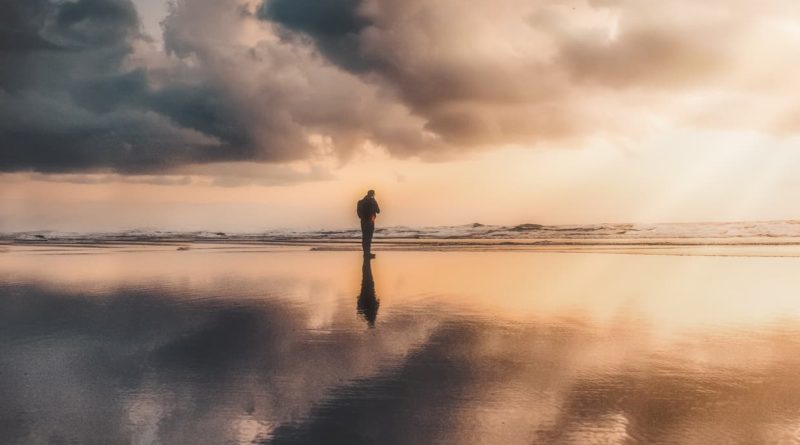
x=144, y=412
x=489, y=383
x=134, y=364
x=250, y=430
x=669, y=399
x=151, y=365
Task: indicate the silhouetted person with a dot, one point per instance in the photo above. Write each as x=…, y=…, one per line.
x=367, y=209
x=367, y=305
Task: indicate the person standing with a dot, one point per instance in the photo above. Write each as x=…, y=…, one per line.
x=367, y=210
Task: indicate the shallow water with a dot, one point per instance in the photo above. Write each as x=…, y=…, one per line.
x=146, y=344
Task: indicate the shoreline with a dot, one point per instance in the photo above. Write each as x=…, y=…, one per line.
x=672, y=247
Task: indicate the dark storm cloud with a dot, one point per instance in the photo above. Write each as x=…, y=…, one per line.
x=67, y=103
x=49, y=135
x=336, y=18
x=94, y=23
x=334, y=26
x=281, y=90
x=70, y=103
x=49, y=45
x=69, y=26
x=19, y=26
x=202, y=108
x=82, y=89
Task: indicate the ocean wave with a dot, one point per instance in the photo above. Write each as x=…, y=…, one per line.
x=732, y=231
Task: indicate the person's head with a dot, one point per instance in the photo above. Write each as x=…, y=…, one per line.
x=371, y=193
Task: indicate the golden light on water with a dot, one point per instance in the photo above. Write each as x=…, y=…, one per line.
x=668, y=292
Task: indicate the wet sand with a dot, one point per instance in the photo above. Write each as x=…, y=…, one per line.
x=279, y=344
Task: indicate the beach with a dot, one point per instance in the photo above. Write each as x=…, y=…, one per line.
x=245, y=343
x=387, y=222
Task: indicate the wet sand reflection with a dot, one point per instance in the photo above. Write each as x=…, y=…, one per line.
x=262, y=354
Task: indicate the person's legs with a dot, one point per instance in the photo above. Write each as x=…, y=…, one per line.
x=367, y=229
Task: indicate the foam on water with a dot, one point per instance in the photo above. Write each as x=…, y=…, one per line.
x=761, y=232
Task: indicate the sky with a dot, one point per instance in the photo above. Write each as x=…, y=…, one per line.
x=244, y=115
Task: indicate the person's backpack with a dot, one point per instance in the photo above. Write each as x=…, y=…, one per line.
x=362, y=208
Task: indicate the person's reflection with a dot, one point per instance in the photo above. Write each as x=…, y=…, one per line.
x=367, y=305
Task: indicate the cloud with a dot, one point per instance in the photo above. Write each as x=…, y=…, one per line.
x=286, y=97
x=106, y=178
x=67, y=103
x=223, y=174
x=82, y=89
x=86, y=101
x=521, y=72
